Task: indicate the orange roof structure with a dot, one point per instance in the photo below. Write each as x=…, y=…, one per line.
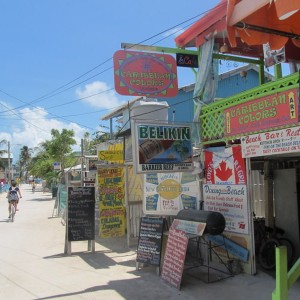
x=246, y=25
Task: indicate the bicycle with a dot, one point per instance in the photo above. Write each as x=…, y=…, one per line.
x=273, y=239
x=13, y=209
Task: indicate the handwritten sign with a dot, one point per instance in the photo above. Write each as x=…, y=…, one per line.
x=231, y=202
x=150, y=241
x=81, y=213
x=174, y=258
x=271, y=142
x=112, y=223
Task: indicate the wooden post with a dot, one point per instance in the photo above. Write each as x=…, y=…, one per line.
x=281, y=290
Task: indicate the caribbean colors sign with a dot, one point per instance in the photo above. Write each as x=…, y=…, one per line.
x=145, y=74
x=263, y=113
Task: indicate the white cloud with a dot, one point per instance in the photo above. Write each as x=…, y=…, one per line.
x=35, y=127
x=105, y=97
x=174, y=32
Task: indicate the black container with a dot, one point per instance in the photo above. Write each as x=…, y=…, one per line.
x=215, y=221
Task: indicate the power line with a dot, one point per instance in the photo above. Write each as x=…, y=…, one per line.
x=65, y=87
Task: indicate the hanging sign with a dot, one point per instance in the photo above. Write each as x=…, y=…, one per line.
x=145, y=74
x=271, y=142
x=187, y=60
x=266, y=112
x=163, y=148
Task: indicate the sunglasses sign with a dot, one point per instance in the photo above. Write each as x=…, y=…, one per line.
x=145, y=74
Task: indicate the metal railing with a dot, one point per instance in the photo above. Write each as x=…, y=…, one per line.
x=212, y=118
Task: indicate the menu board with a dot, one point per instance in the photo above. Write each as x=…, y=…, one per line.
x=150, y=241
x=81, y=213
x=173, y=263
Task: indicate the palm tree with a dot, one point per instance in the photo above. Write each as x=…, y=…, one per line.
x=2, y=151
x=25, y=158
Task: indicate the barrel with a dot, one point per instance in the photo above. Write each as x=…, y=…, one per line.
x=215, y=221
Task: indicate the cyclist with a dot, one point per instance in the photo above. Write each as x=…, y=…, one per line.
x=13, y=196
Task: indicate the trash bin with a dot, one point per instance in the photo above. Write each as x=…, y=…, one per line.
x=215, y=221
x=54, y=191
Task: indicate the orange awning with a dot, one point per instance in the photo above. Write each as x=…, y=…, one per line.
x=249, y=23
x=212, y=23
x=261, y=21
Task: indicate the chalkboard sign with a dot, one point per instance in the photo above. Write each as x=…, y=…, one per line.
x=174, y=258
x=81, y=213
x=150, y=241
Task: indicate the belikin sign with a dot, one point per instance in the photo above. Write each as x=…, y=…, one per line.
x=145, y=74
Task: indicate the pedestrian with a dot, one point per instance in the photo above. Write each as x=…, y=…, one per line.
x=13, y=194
x=33, y=186
x=44, y=184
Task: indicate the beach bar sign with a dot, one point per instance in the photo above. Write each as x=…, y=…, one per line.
x=271, y=142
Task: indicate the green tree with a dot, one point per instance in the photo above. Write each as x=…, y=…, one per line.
x=2, y=163
x=57, y=149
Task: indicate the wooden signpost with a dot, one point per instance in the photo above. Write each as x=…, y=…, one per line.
x=150, y=241
x=80, y=217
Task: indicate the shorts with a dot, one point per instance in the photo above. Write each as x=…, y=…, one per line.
x=17, y=201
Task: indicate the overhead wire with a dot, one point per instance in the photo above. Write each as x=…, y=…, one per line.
x=64, y=86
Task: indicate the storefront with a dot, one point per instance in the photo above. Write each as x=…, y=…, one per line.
x=262, y=122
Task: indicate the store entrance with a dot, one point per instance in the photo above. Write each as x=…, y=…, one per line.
x=275, y=201
x=287, y=204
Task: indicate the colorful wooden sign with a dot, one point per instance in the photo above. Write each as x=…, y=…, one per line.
x=145, y=74
x=266, y=112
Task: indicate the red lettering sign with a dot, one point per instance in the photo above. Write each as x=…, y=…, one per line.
x=145, y=74
x=263, y=113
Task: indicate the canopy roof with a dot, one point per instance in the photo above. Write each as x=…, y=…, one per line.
x=246, y=25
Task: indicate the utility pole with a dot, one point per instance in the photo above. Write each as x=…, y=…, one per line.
x=9, y=174
x=82, y=163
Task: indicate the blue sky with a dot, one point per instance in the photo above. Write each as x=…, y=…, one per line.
x=54, y=52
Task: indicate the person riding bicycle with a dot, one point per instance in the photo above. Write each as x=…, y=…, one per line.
x=13, y=195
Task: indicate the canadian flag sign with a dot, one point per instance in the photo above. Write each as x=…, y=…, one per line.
x=224, y=166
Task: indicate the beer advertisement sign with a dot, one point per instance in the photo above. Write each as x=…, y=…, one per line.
x=168, y=193
x=163, y=148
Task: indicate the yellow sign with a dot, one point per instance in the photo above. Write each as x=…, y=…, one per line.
x=112, y=223
x=114, y=154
